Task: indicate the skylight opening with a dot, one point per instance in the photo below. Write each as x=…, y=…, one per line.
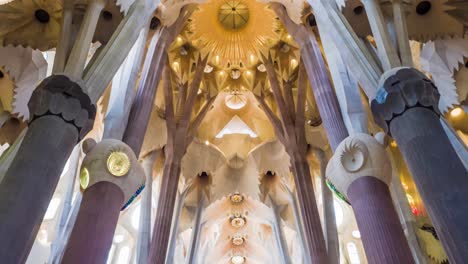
x=236, y=126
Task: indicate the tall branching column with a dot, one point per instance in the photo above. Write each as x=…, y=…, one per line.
x=331, y=231
x=361, y=170
x=317, y=72
x=407, y=108
x=151, y=74
x=180, y=133
x=290, y=131
x=62, y=113
x=325, y=97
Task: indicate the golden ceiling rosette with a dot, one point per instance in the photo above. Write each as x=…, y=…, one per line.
x=31, y=23
x=233, y=31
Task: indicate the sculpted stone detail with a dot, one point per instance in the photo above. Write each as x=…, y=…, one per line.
x=401, y=89
x=358, y=156
x=124, y=171
x=58, y=95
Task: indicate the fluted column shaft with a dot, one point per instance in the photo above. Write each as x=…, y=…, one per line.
x=92, y=235
x=144, y=98
x=309, y=211
x=196, y=228
x=325, y=97
x=144, y=228
x=438, y=172
x=382, y=236
x=57, y=123
x=331, y=231
x=164, y=213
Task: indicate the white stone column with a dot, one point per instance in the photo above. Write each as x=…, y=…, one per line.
x=77, y=60
x=401, y=30
x=385, y=48
x=196, y=228
x=70, y=176
x=123, y=89
x=347, y=90
x=64, y=43
x=175, y=223
x=100, y=72
x=144, y=230
x=281, y=240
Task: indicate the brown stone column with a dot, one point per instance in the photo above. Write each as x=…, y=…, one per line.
x=111, y=178
x=382, y=236
x=406, y=107
x=361, y=169
x=61, y=113
x=164, y=213
x=94, y=228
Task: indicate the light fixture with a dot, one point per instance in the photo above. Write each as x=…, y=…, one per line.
x=118, y=238
x=393, y=144
x=118, y=163
x=237, y=259
x=208, y=68
x=84, y=178
x=252, y=58
x=207, y=142
x=179, y=39
x=356, y=234
x=175, y=66
x=236, y=198
x=456, y=112
x=237, y=220
x=42, y=237
x=293, y=63
x=4, y=2
x=261, y=68
x=237, y=240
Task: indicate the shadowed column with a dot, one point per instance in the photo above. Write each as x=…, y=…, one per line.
x=61, y=114
x=361, y=170
x=111, y=178
x=382, y=236
x=93, y=232
x=406, y=107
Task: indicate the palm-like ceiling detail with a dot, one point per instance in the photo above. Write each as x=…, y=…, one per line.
x=233, y=31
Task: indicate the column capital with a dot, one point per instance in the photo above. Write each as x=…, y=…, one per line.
x=399, y=90
x=113, y=161
x=60, y=96
x=357, y=156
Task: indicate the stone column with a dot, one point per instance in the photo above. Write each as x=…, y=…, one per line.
x=70, y=176
x=331, y=231
x=175, y=222
x=361, y=169
x=111, y=177
x=79, y=53
x=279, y=234
x=406, y=108
x=196, y=228
x=144, y=230
x=61, y=114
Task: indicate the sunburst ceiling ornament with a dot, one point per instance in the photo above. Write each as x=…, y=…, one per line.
x=33, y=23
x=233, y=31
x=233, y=14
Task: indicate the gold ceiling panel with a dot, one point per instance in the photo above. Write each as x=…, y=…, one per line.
x=233, y=31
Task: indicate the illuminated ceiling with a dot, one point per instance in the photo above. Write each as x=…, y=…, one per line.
x=233, y=31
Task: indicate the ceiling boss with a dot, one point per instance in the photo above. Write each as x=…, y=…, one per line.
x=233, y=31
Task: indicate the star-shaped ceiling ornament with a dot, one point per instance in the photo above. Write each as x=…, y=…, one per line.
x=233, y=31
